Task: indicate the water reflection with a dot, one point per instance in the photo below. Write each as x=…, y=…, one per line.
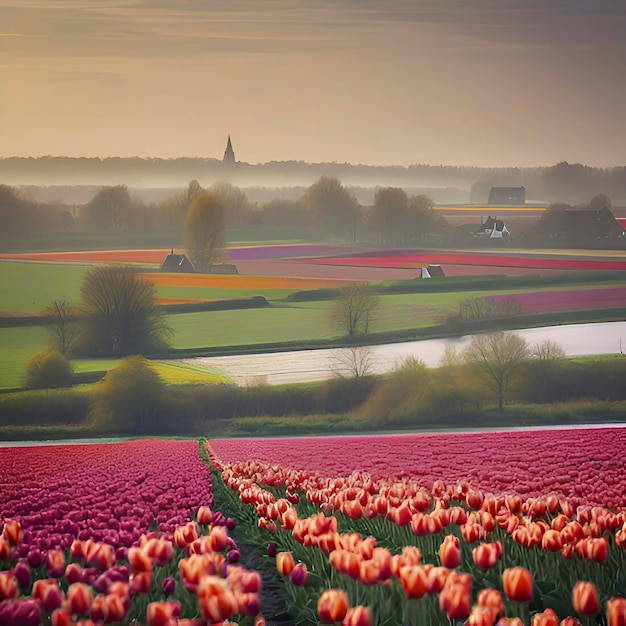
x=277, y=368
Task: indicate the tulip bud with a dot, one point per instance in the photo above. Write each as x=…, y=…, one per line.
x=585, y=598
x=285, y=563
x=449, y=552
x=271, y=550
x=48, y=593
x=570, y=621
x=299, y=575
x=162, y=613
x=358, y=616
x=13, y=533
x=205, y=515
x=61, y=617
x=55, y=563
x=518, y=584
x=547, y=618
x=333, y=605
x=168, y=586
x=616, y=612
x=79, y=598
x=8, y=586
x=21, y=571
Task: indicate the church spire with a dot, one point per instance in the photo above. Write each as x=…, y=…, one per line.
x=229, y=154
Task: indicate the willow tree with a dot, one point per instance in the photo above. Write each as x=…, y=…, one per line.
x=119, y=314
x=204, y=231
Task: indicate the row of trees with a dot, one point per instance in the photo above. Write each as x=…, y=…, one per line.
x=327, y=209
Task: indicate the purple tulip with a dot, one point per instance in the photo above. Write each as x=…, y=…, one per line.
x=35, y=557
x=168, y=586
x=234, y=556
x=22, y=574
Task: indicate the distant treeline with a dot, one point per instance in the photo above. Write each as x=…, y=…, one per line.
x=563, y=182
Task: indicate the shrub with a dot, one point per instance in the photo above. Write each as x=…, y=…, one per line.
x=130, y=399
x=48, y=369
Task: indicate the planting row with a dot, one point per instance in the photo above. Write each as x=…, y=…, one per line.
x=396, y=550
x=116, y=532
x=586, y=466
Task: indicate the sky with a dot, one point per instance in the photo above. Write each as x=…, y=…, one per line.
x=484, y=83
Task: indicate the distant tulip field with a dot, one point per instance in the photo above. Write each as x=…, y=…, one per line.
x=524, y=527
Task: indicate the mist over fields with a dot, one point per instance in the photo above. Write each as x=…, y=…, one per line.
x=74, y=179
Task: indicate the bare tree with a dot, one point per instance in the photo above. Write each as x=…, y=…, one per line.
x=353, y=362
x=204, y=231
x=353, y=308
x=548, y=351
x=497, y=356
x=62, y=326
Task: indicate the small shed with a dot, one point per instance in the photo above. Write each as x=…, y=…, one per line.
x=177, y=263
x=433, y=271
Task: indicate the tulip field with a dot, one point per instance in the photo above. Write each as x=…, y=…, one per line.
x=513, y=527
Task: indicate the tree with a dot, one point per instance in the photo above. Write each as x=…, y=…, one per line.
x=390, y=214
x=62, y=326
x=204, y=231
x=173, y=210
x=128, y=398
x=353, y=308
x=108, y=210
x=354, y=362
x=333, y=210
x=120, y=315
x=423, y=217
x=48, y=369
x=233, y=201
x=498, y=356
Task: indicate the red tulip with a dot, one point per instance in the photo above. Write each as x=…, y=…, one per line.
x=79, y=598
x=218, y=539
x=491, y=598
x=333, y=606
x=547, y=618
x=518, y=584
x=616, y=612
x=215, y=599
x=13, y=533
x=139, y=560
x=486, y=555
x=204, y=515
x=8, y=586
x=570, y=621
x=449, y=552
x=414, y=581
x=481, y=616
x=48, y=593
x=55, y=563
x=585, y=598
x=162, y=613
x=285, y=563
x=5, y=550
x=358, y=616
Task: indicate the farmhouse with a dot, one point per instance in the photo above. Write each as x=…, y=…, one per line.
x=177, y=263
x=507, y=195
x=492, y=228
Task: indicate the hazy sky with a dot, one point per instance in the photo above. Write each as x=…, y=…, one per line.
x=453, y=82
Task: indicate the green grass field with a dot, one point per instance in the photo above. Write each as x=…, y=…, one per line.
x=29, y=287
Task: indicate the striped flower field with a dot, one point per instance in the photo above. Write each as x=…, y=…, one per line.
x=516, y=527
